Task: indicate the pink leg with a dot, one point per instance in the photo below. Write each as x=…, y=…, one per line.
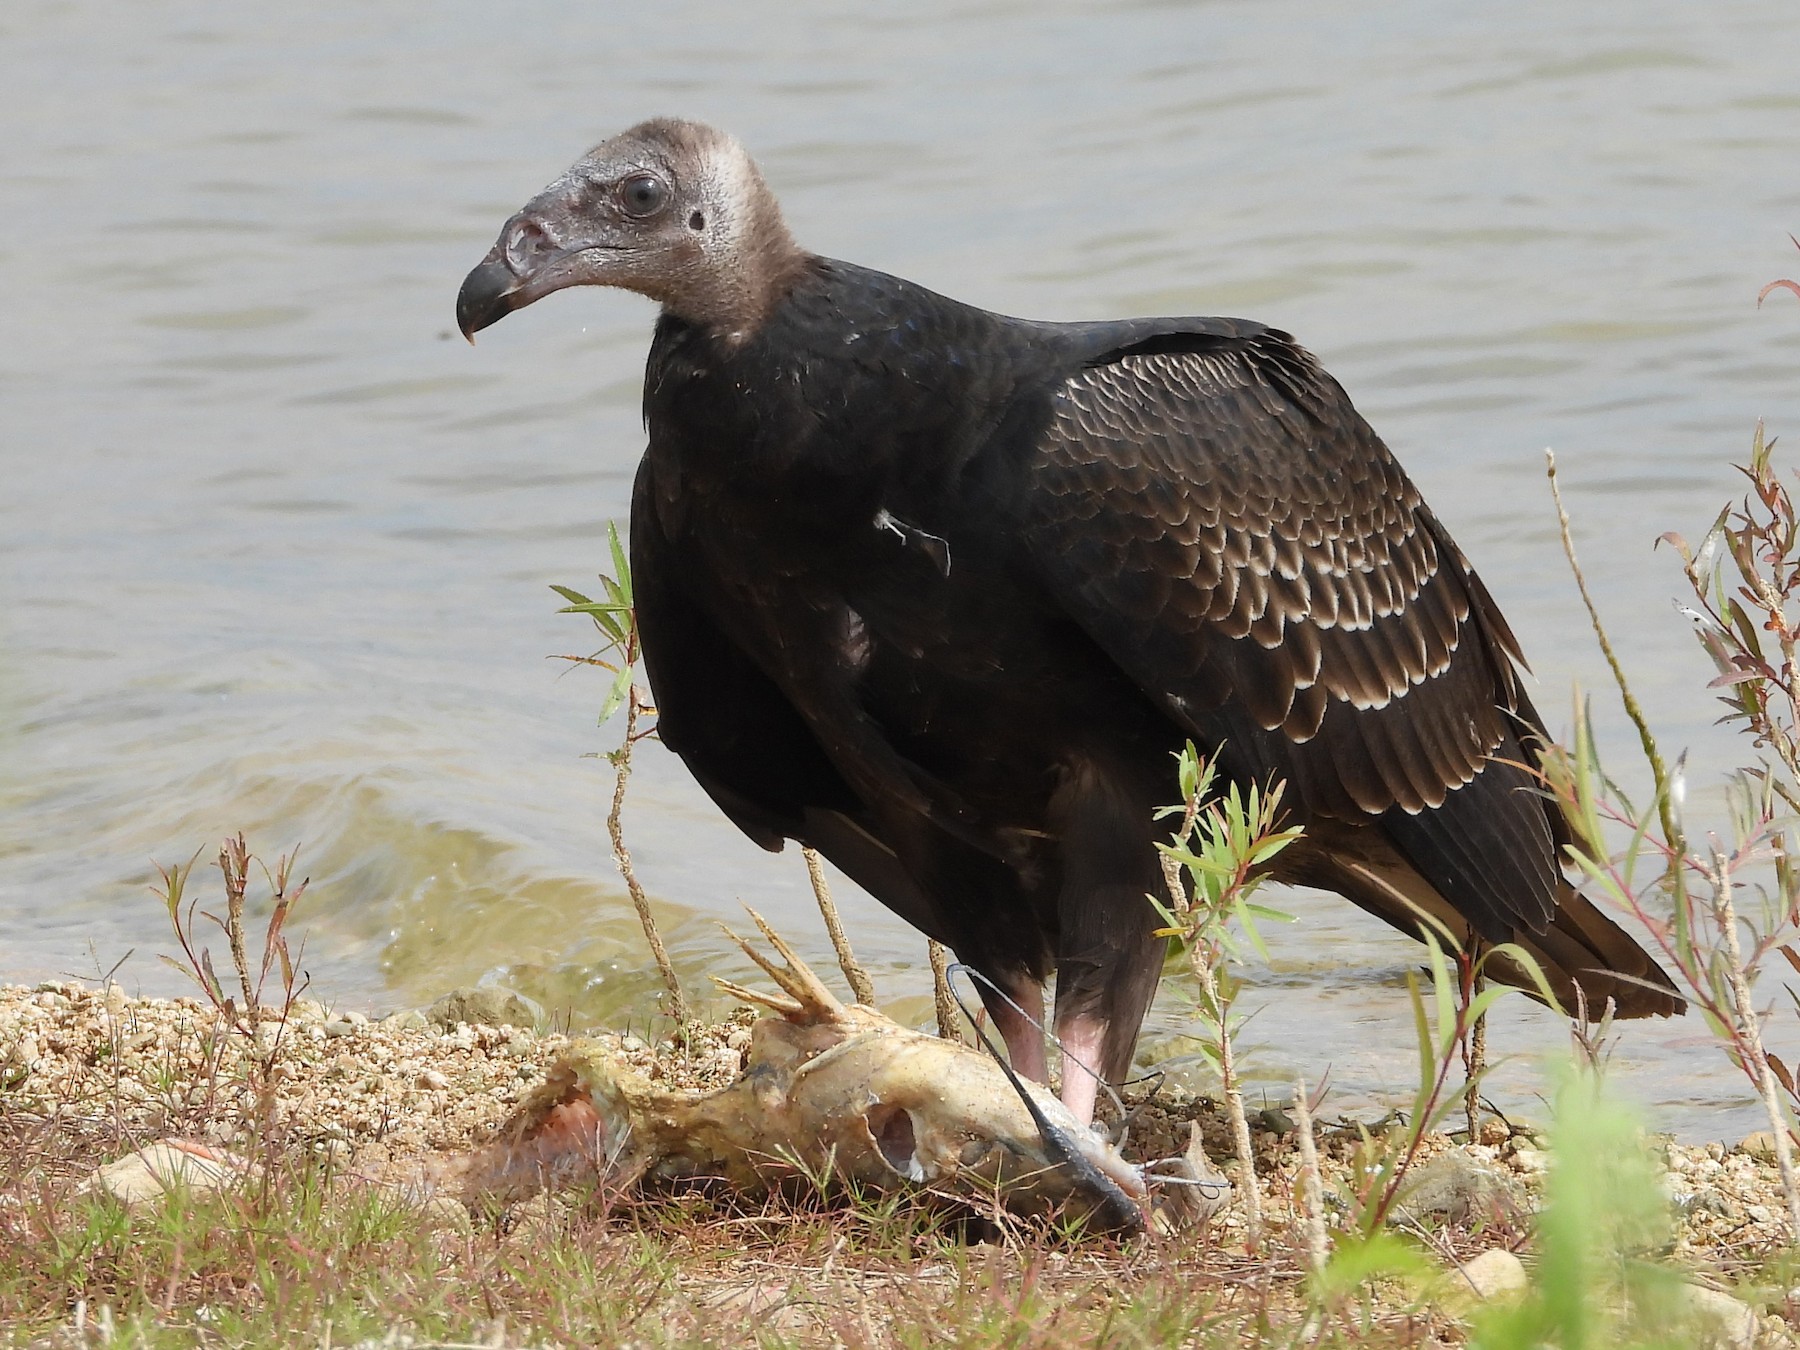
x=1081, y=1037
x=1023, y=1031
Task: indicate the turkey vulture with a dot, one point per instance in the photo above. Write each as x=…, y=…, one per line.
x=940, y=592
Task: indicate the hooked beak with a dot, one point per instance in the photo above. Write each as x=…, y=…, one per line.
x=542, y=249
x=488, y=294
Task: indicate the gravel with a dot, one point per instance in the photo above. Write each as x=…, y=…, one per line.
x=381, y=1096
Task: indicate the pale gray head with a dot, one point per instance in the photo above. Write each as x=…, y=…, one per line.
x=670, y=209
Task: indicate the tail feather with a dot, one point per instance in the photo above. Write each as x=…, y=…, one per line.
x=1581, y=949
x=1584, y=949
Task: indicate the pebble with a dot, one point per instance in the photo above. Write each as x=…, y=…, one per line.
x=1496, y=1273
x=1723, y=1322
x=1531, y=1161
x=1760, y=1145
x=484, y=1005
x=169, y=1165
x=1456, y=1186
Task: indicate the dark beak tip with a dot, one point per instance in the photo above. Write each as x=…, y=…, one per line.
x=488, y=295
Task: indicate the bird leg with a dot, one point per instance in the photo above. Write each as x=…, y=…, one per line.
x=1021, y=1025
x=1082, y=1037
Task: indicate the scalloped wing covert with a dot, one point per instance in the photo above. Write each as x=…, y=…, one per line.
x=1238, y=539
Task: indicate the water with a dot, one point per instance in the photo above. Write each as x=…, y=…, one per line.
x=275, y=549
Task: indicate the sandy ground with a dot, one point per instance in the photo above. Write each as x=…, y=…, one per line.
x=108, y=1073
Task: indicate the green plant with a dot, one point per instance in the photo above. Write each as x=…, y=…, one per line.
x=1598, y=1282
x=615, y=618
x=1218, y=858
x=1440, y=1024
x=616, y=621
x=1718, y=910
x=262, y=1036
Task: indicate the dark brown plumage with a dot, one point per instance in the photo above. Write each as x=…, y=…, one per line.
x=940, y=592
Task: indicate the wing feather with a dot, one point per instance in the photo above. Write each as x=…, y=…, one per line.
x=1243, y=545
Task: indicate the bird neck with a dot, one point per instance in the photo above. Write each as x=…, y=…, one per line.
x=743, y=268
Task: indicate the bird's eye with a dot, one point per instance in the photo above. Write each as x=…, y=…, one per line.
x=643, y=194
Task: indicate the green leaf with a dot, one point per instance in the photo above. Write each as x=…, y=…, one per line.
x=1421, y=1029
x=621, y=565
x=1528, y=963
x=1377, y=1256
x=616, y=696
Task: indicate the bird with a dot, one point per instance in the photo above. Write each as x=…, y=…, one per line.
x=942, y=593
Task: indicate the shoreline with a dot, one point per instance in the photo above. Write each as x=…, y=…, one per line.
x=93, y=1073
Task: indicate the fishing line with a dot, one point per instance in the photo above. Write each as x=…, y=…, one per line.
x=976, y=976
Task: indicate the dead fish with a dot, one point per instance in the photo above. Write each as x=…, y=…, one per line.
x=833, y=1095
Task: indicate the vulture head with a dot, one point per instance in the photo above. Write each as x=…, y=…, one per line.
x=673, y=210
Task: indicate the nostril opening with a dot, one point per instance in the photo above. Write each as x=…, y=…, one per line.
x=526, y=240
x=891, y=1127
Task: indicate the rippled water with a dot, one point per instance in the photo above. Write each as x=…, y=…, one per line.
x=275, y=549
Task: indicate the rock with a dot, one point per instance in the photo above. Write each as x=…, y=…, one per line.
x=1495, y=1133
x=1760, y=1145
x=1274, y=1119
x=1455, y=1186
x=1494, y=1274
x=1704, y=1200
x=1531, y=1161
x=1722, y=1322
x=484, y=1006
x=167, y=1165
x=407, y=1019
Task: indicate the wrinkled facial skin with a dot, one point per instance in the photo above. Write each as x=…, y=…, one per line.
x=613, y=219
x=670, y=209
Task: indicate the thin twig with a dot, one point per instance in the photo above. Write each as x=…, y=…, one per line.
x=1201, y=965
x=1312, y=1200
x=847, y=962
x=234, y=862
x=949, y=1023
x=1664, y=798
x=678, y=1008
x=1475, y=1058
x=1726, y=914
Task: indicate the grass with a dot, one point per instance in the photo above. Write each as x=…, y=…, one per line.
x=309, y=1262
